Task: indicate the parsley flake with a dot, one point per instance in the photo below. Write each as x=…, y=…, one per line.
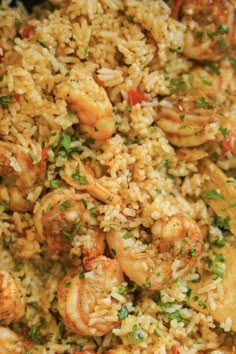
x=212, y=194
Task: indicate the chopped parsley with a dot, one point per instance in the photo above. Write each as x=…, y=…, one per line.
x=224, y=131
x=192, y=252
x=175, y=85
x=35, y=306
x=122, y=289
x=219, y=258
x=81, y=179
x=41, y=269
x=62, y=329
x=137, y=333
x=54, y=184
x=199, y=34
x=5, y=100
x=92, y=212
x=219, y=242
x=126, y=236
x=213, y=68
x=188, y=293
x=68, y=235
x=128, y=141
x=128, y=109
x=34, y=334
x=147, y=284
x=123, y=313
x=71, y=114
x=79, y=346
x=18, y=23
x=233, y=63
x=202, y=304
x=19, y=267
x=195, y=298
x=174, y=50
x=212, y=194
x=176, y=316
x=222, y=29
x=157, y=334
x=22, y=277
x=65, y=205
x=81, y=275
x=221, y=43
x=67, y=284
x=76, y=175
x=113, y=251
x=206, y=82
x=66, y=142
x=86, y=49
x=218, y=271
x=41, y=43
x=223, y=223
x=33, y=157
x=202, y=103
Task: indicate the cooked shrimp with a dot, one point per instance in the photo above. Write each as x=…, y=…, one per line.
x=63, y=218
x=90, y=103
x=20, y=177
x=221, y=82
x=88, y=302
x=13, y=301
x=12, y=343
x=210, y=31
x=175, y=247
x=191, y=155
x=81, y=177
x=189, y=119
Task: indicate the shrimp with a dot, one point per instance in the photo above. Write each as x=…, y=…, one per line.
x=90, y=103
x=12, y=343
x=87, y=302
x=218, y=78
x=13, y=301
x=176, y=245
x=63, y=218
x=20, y=177
x=81, y=177
x=189, y=119
x=191, y=155
x=210, y=26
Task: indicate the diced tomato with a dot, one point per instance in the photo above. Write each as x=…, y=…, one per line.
x=175, y=8
x=18, y=97
x=135, y=96
x=175, y=349
x=229, y=143
x=98, y=81
x=43, y=161
x=27, y=30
